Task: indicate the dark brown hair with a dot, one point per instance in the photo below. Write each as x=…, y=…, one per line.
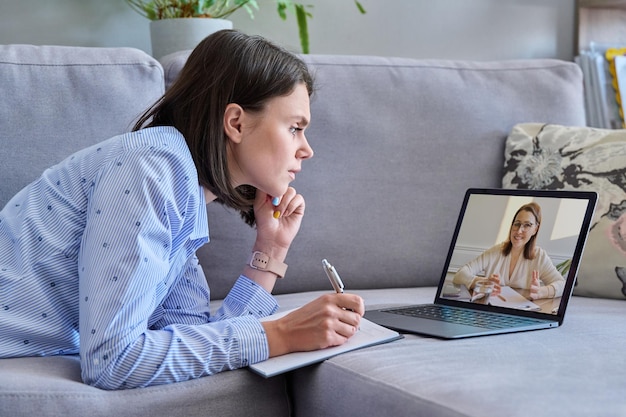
x=226, y=67
x=529, y=248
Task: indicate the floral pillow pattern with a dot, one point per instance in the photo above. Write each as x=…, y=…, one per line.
x=540, y=156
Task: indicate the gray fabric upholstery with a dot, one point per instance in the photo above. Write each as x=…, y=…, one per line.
x=55, y=100
x=52, y=386
x=172, y=64
x=397, y=141
x=578, y=369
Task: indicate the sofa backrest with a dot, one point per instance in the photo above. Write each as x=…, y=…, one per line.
x=55, y=100
x=397, y=142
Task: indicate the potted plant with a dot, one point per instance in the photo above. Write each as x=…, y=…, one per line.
x=180, y=24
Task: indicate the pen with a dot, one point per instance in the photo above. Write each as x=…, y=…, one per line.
x=335, y=280
x=333, y=276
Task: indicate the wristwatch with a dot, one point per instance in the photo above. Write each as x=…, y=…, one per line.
x=262, y=262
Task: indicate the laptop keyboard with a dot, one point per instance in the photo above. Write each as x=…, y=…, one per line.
x=462, y=316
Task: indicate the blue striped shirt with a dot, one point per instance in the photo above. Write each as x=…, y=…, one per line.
x=105, y=242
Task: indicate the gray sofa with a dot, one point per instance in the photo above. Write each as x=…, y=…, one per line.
x=397, y=142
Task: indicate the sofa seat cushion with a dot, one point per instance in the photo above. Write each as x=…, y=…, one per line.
x=51, y=386
x=571, y=157
x=540, y=373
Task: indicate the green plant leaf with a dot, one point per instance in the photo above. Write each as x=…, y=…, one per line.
x=301, y=16
x=282, y=9
x=564, y=267
x=168, y=9
x=250, y=7
x=360, y=7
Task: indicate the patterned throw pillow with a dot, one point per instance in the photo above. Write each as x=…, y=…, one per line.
x=557, y=157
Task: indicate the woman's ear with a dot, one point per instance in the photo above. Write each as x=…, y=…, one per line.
x=233, y=118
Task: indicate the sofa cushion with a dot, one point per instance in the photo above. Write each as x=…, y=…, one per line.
x=569, y=157
x=172, y=65
x=56, y=100
x=397, y=142
x=555, y=372
x=51, y=386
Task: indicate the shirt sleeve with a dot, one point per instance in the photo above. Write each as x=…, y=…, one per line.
x=188, y=302
x=550, y=275
x=133, y=261
x=468, y=272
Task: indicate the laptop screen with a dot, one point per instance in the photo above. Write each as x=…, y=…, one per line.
x=517, y=249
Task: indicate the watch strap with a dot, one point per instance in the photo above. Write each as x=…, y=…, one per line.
x=263, y=262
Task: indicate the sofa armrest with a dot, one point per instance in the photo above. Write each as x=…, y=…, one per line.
x=56, y=100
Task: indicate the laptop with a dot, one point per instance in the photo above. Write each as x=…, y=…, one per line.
x=486, y=220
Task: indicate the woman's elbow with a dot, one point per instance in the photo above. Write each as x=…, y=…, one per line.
x=98, y=376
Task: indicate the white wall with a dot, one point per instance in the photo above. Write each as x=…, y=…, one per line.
x=455, y=29
x=462, y=29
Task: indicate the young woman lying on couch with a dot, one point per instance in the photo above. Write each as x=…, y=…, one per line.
x=105, y=241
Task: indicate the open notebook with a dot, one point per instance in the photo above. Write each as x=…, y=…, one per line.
x=369, y=334
x=487, y=218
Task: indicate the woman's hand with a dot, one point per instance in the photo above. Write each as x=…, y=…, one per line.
x=275, y=232
x=497, y=289
x=536, y=290
x=277, y=226
x=327, y=321
x=494, y=278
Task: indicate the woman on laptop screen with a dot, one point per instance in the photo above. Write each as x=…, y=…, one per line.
x=517, y=262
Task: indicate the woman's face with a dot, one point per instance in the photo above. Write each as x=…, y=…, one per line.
x=267, y=149
x=523, y=228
